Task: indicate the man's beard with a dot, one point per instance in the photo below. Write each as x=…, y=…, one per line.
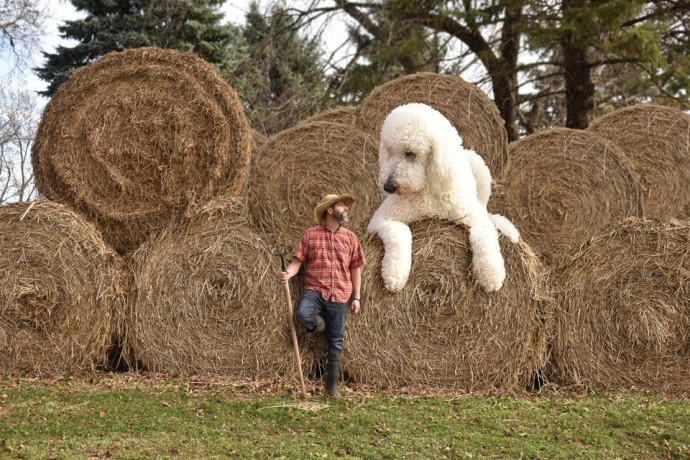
x=341, y=217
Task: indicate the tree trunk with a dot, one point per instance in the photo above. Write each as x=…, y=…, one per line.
x=505, y=87
x=504, y=97
x=579, y=89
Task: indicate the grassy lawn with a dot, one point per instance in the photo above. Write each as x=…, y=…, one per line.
x=128, y=416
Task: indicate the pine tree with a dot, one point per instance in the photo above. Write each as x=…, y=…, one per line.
x=281, y=80
x=114, y=25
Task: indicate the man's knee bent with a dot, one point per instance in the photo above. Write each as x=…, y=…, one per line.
x=307, y=309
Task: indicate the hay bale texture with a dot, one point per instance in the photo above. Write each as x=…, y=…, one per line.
x=208, y=300
x=563, y=186
x=61, y=290
x=468, y=108
x=623, y=316
x=139, y=137
x=343, y=114
x=442, y=329
x=258, y=139
x=295, y=168
x=657, y=140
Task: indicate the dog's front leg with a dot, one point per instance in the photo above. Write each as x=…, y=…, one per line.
x=488, y=266
x=397, y=258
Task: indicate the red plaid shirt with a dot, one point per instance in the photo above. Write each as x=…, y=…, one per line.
x=328, y=258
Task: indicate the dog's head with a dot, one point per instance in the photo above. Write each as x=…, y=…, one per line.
x=416, y=148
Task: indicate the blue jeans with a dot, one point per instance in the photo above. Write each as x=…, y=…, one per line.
x=312, y=304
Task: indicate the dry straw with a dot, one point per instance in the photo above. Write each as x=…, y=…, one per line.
x=624, y=312
x=61, y=290
x=657, y=140
x=344, y=114
x=139, y=137
x=443, y=329
x=473, y=114
x=208, y=300
x=258, y=139
x=564, y=185
x=296, y=167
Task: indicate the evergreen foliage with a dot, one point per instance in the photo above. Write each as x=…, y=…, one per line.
x=115, y=25
x=281, y=78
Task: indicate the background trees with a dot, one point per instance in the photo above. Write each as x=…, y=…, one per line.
x=112, y=25
x=281, y=77
x=21, y=22
x=544, y=62
x=598, y=55
x=19, y=115
x=547, y=62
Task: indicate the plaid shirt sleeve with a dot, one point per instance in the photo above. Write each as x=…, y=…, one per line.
x=301, y=252
x=357, y=258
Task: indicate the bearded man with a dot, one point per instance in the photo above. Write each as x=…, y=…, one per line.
x=333, y=258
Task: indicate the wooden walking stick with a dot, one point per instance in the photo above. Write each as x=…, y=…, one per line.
x=293, y=331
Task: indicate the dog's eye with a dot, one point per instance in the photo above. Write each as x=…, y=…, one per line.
x=409, y=155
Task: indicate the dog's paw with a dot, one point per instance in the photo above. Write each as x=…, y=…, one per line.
x=394, y=284
x=394, y=280
x=490, y=277
x=394, y=277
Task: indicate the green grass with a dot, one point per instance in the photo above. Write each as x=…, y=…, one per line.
x=130, y=418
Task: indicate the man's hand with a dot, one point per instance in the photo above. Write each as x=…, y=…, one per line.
x=291, y=271
x=284, y=276
x=354, y=306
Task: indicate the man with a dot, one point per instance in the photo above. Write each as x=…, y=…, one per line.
x=333, y=259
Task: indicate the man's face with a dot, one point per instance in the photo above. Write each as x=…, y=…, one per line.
x=340, y=212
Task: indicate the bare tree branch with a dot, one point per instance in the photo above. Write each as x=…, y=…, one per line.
x=21, y=26
x=19, y=115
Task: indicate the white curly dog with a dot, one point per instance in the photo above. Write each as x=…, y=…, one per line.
x=426, y=172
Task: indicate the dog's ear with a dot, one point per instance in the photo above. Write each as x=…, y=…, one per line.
x=440, y=168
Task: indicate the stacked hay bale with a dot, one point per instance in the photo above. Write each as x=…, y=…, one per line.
x=61, y=290
x=442, y=329
x=564, y=185
x=657, y=141
x=623, y=316
x=295, y=168
x=344, y=114
x=258, y=139
x=471, y=112
x=207, y=299
x=139, y=138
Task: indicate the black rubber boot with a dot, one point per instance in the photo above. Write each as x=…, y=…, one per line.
x=333, y=375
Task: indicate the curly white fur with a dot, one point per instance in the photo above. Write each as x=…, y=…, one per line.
x=425, y=172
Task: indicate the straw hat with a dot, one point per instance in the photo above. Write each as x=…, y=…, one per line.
x=328, y=201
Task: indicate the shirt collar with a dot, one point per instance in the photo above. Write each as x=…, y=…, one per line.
x=325, y=227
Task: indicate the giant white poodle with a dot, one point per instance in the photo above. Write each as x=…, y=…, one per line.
x=426, y=172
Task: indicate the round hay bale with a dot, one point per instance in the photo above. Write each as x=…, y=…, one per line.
x=208, y=299
x=345, y=115
x=657, y=141
x=442, y=329
x=623, y=317
x=469, y=109
x=564, y=185
x=61, y=291
x=258, y=139
x=296, y=167
x=139, y=137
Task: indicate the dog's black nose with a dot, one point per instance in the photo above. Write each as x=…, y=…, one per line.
x=390, y=186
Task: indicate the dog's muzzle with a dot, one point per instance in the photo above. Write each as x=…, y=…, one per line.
x=390, y=186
